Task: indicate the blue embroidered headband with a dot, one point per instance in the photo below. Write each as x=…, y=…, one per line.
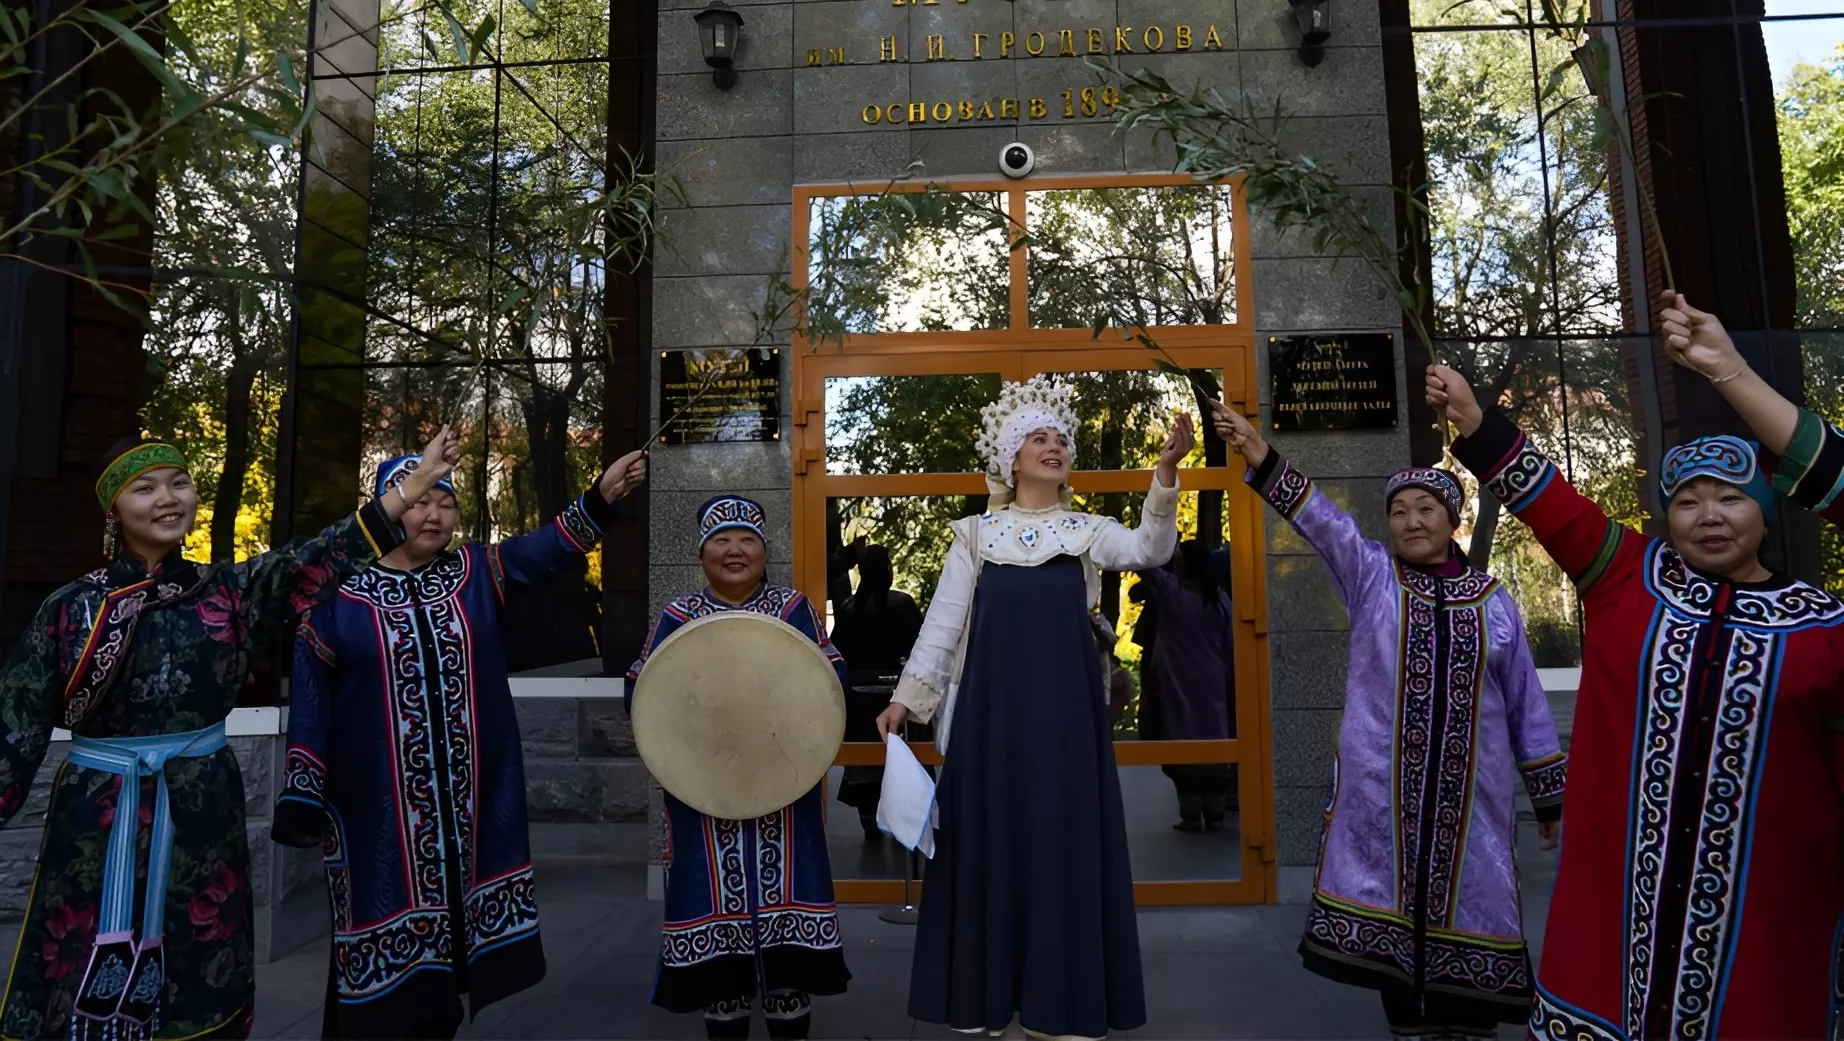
x=393, y=472
x=1438, y=483
x=729, y=512
x=1724, y=457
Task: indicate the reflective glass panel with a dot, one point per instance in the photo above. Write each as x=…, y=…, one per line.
x=907, y=262
x=1138, y=256
x=906, y=424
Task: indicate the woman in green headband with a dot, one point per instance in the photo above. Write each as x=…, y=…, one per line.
x=139, y=917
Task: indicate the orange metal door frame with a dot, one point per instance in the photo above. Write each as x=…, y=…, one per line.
x=1014, y=354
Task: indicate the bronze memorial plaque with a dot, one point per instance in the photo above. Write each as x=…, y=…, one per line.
x=1333, y=382
x=720, y=395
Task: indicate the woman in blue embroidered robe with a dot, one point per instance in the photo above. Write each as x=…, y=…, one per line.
x=404, y=767
x=147, y=656
x=749, y=906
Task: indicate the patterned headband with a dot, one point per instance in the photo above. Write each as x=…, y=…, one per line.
x=727, y=512
x=1438, y=483
x=393, y=472
x=1724, y=457
x=148, y=455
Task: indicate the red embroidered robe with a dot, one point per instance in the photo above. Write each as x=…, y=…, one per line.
x=1699, y=893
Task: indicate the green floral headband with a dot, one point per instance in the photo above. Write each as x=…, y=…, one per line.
x=150, y=455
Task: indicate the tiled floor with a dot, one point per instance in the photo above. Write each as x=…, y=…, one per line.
x=1210, y=972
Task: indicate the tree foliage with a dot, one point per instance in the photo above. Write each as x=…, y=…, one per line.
x=1811, y=123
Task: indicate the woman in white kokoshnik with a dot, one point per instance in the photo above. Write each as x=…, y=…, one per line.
x=1028, y=912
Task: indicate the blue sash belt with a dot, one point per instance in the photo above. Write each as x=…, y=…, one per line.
x=119, y=998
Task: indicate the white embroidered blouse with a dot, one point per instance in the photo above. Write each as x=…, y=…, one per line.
x=1011, y=535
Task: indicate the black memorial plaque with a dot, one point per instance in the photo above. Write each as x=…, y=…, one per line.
x=1333, y=382
x=742, y=401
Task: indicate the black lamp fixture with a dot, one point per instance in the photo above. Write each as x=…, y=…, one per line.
x=720, y=29
x=1314, y=17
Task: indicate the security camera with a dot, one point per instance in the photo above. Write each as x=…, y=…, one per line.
x=1016, y=159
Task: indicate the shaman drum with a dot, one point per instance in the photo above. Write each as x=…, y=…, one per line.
x=738, y=714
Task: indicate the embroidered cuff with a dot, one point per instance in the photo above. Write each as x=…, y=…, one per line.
x=300, y=810
x=1284, y=488
x=917, y=696
x=383, y=533
x=1543, y=781
x=1505, y=461
x=1811, y=473
x=583, y=521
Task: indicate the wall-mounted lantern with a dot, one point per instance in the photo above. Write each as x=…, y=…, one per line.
x=1314, y=18
x=720, y=29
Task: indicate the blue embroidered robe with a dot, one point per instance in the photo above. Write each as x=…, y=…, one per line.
x=404, y=766
x=749, y=904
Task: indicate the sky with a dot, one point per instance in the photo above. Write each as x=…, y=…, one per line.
x=1789, y=43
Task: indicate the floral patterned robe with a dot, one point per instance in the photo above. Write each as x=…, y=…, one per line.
x=186, y=665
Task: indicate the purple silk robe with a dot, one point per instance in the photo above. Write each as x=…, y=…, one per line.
x=1417, y=883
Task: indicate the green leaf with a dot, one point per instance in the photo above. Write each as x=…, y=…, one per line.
x=117, y=233
x=287, y=66
x=457, y=33
x=1101, y=322
x=144, y=52
x=1171, y=368
x=483, y=34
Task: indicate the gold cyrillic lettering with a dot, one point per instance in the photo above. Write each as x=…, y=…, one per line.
x=944, y=111
x=872, y=114
x=836, y=56
x=1213, y=42
x=1094, y=40
x=1121, y=40
x=1148, y=39
x=1034, y=44
x=1183, y=38
x=1008, y=108
x=937, y=47
x=1066, y=43
x=986, y=111
x=966, y=111
x=894, y=114
x=977, y=39
x=1037, y=108
x=1006, y=40
x=886, y=49
x=918, y=112
x=813, y=56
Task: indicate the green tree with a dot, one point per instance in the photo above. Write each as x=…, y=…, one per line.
x=1811, y=123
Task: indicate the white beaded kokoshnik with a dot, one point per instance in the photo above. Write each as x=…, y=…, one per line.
x=1023, y=408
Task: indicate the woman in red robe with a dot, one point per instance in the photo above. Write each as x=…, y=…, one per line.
x=1708, y=762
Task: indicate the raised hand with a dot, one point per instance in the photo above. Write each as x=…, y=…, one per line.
x=440, y=455
x=623, y=475
x=1178, y=444
x=1236, y=431
x=1448, y=391
x=1697, y=340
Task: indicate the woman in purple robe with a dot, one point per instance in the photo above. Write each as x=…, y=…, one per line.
x=1417, y=890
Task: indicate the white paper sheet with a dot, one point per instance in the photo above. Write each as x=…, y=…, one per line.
x=906, y=806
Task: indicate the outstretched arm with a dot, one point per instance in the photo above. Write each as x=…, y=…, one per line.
x=539, y=556
x=1698, y=342
x=1348, y=556
x=1576, y=533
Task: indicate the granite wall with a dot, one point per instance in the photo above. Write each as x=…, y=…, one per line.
x=787, y=121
